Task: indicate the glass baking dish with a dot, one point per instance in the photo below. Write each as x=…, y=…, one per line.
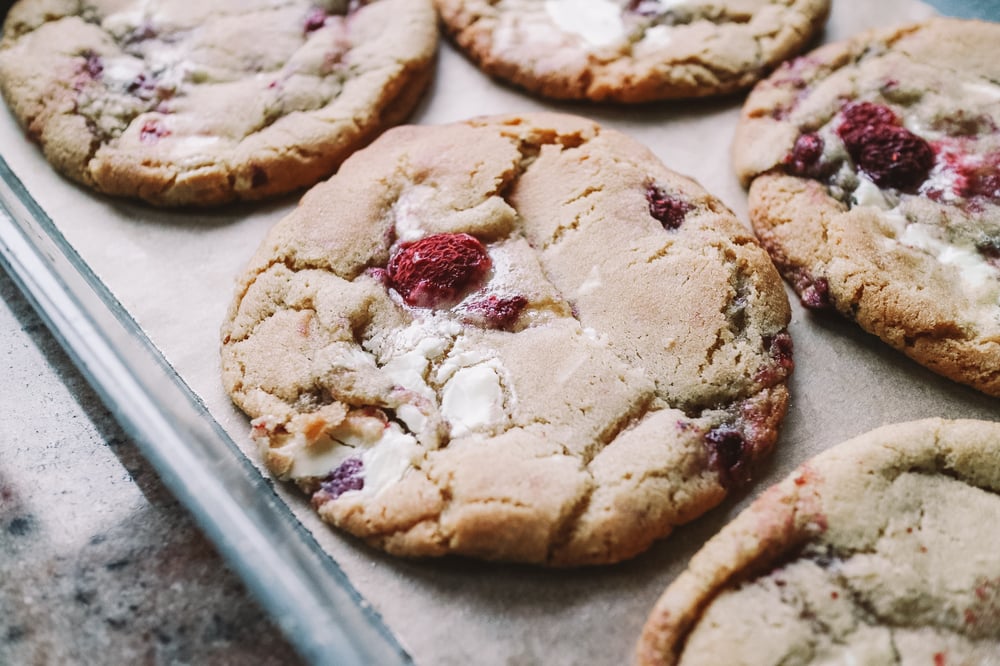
x=136, y=296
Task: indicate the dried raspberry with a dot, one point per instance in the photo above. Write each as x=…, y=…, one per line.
x=813, y=292
x=437, y=270
x=346, y=477
x=728, y=455
x=780, y=348
x=981, y=179
x=151, y=131
x=804, y=158
x=498, y=312
x=984, y=184
x=644, y=7
x=93, y=65
x=315, y=19
x=862, y=118
x=669, y=210
x=892, y=156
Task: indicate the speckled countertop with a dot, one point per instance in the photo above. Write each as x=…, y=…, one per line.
x=98, y=563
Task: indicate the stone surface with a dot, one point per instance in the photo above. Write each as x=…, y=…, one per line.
x=98, y=562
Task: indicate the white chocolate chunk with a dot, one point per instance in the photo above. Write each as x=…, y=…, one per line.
x=599, y=22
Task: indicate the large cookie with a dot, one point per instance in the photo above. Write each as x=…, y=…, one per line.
x=180, y=102
x=873, y=166
x=515, y=338
x=879, y=551
x=631, y=50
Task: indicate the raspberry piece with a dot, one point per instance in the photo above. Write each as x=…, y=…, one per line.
x=93, y=64
x=894, y=157
x=805, y=155
x=151, y=131
x=981, y=179
x=984, y=184
x=728, y=455
x=780, y=348
x=813, y=292
x=438, y=270
x=670, y=211
x=315, y=19
x=862, y=118
x=891, y=155
x=644, y=7
x=346, y=477
x=498, y=312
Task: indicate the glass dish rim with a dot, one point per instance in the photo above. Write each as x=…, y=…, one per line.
x=301, y=587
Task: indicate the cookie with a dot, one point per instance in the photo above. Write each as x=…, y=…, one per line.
x=877, y=551
x=517, y=338
x=631, y=50
x=203, y=103
x=872, y=167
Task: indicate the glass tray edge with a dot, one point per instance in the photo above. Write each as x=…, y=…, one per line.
x=303, y=590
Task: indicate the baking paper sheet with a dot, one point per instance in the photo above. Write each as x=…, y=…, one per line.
x=175, y=273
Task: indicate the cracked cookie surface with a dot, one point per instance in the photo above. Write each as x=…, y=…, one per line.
x=202, y=103
x=631, y=50
x=517, y=338
x=874, y=552
x=873, y=170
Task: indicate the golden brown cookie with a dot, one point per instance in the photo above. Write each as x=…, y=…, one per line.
x=631, y=50
x=878, y=551
x=872, y=167
x=516, y=338
x=207, y=102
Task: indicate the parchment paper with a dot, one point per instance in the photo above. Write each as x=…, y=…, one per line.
x=175, y=273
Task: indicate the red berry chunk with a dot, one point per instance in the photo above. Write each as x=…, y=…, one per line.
x=728, y=455
x=813, y=292
x=805, y=156
x=780, y=348
x=93, y=64
x=982, y=184
x=669, y=210
x=644, y=7
x=346, y=477
x=862, y=118
x=815, y=295
x=895, y=157
x=499, y=312
x=315, y=19
x=981, y=179
x=891, y=155
x=151, y=131
x=438, y=270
